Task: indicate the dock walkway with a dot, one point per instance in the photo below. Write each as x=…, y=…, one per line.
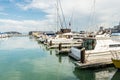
x=94, y=63
x=96, y=59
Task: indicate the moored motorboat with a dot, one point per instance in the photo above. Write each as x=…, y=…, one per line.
x=98, y=51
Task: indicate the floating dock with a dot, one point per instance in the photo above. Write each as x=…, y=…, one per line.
x=54, y=45
x=97, y=59
x=94, y=63
x=65, y=48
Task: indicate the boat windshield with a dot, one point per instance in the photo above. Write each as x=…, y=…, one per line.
x=89, y=44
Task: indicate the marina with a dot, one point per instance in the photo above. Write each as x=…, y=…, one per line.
x=94, y=51
x=29, y=60
x=59, y=40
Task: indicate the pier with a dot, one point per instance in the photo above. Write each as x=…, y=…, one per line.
x=94, y=63
x=65, y=47
x=100, y=52
x=97, y=59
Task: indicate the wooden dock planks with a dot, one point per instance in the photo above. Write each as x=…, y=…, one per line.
x=93, y=64
x=96, y=60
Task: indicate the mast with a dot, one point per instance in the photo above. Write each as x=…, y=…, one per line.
x=62, y=14
x=57, y=13
x=61, y=18
x=69, y=24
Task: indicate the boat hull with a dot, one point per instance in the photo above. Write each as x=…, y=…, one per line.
x=116, y=62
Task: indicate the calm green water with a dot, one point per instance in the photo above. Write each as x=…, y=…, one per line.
x=22, y=58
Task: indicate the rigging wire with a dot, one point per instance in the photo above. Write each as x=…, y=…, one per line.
x=64, y=20
x=94, y=13
x=69, y=25
x=91, y=19
x=59, y=20
x=57, y=13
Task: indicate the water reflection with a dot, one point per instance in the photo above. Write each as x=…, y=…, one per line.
x=116, y=76
x=34, y=62
x=61, y=57
x=17, y=43
x=51, y=52
x=99, y=74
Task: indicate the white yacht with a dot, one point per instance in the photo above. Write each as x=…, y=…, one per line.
x=65, y=38
x=99, y=47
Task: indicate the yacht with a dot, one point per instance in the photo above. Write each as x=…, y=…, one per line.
x=101, y=47
x=65, y=38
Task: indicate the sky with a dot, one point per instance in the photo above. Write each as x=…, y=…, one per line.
x=46, y=15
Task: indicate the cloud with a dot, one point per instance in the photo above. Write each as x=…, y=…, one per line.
x=103, y=11
x=24, y=25
x=84, y=14
x=36, y=4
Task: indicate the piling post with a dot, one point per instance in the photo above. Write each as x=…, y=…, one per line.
x=51, y=43
x=83, y=55
x=60, y=46
x=46, y=40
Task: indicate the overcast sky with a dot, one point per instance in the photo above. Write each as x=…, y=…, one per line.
x=27, y=15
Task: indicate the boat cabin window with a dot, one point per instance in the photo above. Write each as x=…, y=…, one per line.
x=89, y=44
x=114, y=45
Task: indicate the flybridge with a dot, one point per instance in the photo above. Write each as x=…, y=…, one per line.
x=65, y=30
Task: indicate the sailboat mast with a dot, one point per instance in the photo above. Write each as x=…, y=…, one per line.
x=69, y=25
x=57, y=9
x=59, y=20
x=64, y=21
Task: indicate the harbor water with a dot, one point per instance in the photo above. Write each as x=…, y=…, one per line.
x=23, y=58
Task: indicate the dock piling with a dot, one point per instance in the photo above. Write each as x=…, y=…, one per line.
x=60, y=46
x=83, y=55
x=51, y=43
